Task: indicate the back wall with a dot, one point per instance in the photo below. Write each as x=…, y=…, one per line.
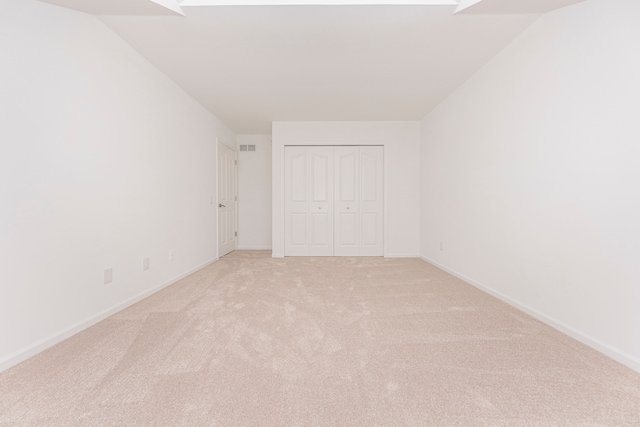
x=402, y=173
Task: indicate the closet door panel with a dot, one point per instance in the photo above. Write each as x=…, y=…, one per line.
x=296, y=201
x=371, y=207
x=346, y=201
x=321, y=206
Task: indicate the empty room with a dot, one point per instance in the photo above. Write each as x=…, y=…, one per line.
x=327, y=213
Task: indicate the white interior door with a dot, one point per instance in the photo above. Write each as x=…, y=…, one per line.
x=227, y=199
x=308, y=201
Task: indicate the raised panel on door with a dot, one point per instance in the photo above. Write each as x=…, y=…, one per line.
x=320, y=233
x=371, y=207
x=299, y=231
x=346, y=201
x=298, y=178
x=297, y=201
x=321, y=218
x=369, y=229
x=320, y=179
x=224, y=229
x=229, y=233
x=346, y=234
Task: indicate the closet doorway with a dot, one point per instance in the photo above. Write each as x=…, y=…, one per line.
x=334, y=202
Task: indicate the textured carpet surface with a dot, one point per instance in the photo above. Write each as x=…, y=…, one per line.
x=256, y=341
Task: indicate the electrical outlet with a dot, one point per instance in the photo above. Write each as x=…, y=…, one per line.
x=145, y=263
x=441, y=246
x=211, y=200
x=172, y=255
x=108, y=276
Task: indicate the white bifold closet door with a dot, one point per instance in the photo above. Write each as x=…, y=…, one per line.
x=308, y=201
x=359, y=202
x=334, y=201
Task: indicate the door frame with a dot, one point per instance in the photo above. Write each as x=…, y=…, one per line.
x=217, y=200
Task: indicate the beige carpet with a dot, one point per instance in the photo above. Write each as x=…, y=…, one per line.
x=256, y=341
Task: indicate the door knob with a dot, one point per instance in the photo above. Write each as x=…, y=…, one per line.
x=220, y=205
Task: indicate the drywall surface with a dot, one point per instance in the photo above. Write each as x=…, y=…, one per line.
x=104, y=161
x=401, y=141
x=254, y=193
x=530, y=175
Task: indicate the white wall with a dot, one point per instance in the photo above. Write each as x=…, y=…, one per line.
x=531, y=175
x=254, y=193
x=402, y=172
x=104, y=161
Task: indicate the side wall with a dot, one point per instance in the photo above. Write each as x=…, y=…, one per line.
x=531, y=179
x=104, y=161
x=402, y=173
x=254, y=193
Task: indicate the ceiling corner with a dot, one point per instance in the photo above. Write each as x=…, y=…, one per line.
x=172, y=5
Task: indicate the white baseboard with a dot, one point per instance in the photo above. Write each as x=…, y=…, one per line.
x=604, y=348
x=45, y=343
x=402, y=256
x=254, y=248
x=385, y=256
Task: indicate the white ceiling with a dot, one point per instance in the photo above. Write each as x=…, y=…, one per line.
x=251, y=65
x=512, y=6
x=122, y=7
